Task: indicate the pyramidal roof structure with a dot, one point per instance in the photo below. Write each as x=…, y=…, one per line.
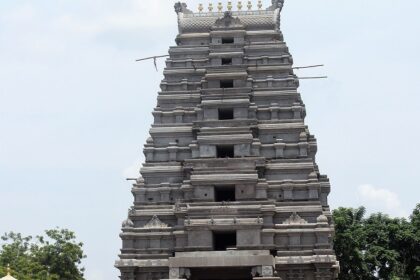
x=230, y=188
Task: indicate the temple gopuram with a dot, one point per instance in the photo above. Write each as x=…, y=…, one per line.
x=230, y=188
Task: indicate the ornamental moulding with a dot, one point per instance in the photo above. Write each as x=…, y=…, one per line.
x=155, y=222
x=295, y=219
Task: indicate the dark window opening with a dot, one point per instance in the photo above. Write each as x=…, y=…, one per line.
x=228, y=40
x=226, y=114
x=224, y=193
x=225, y=151
x=226, y=84
x=226, y=61
x=224, y=240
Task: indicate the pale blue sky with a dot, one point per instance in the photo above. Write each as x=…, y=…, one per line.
x=75, y=108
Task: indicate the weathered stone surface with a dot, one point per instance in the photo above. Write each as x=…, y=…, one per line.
x=230, y=188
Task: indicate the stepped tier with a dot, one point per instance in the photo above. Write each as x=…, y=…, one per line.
x=230, y=188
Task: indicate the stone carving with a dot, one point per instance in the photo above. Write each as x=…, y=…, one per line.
x=277, y=4
x=128, y=223
x=267, y=271
x=322, y=219
x=295, y=219
x=174, y=273
x=181, y=8
x=228, y=21
x=155, y=222
x=188, y=196
x=177, y=206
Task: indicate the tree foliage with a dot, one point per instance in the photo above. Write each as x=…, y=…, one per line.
x=55, y=256
x=377, y=247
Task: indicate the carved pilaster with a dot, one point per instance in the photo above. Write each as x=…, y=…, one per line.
x=172, y=151
x=256, y=147
x=279, y=146
x=274, y=109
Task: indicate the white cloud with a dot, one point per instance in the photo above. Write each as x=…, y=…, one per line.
x=381, y=200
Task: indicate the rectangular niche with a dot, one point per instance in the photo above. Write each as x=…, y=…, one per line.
x=224, y=193
x=225, y=151
x=227, y=61
x=228, y=40
x=226, y=84
x=226, y=114
x=224, y=240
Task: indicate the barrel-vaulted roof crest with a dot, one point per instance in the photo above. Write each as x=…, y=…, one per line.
x=228, y=21
x=251, y=19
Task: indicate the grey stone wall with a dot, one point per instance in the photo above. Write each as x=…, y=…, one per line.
x=277, y=209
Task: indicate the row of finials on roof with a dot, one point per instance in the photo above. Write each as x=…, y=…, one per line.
x=230, y=6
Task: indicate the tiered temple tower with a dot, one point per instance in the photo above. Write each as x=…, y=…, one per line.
x=230, y=188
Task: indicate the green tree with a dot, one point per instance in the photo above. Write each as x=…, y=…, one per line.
x=412, y=257
x=349, y=243
x=377, y=247
x=55, y=256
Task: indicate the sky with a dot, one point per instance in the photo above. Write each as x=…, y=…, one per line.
x=75, y=109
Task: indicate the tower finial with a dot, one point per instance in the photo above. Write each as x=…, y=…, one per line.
x=249, y=5
x=229, y=6
x=276, y=4
x=200, y=7
x=8, y=269
x=240, y=5
x=220, y=7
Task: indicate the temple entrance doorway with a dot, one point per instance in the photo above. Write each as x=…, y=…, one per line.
x=223, y=273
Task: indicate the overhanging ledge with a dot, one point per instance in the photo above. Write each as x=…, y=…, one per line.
x=233, y=258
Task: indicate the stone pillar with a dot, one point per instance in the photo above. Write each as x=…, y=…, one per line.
x=297, y=111
x=179, y=115
x=184, y=84
x=274, y=109
x=165, y=191
x=288, y=193
x=158, y=116
x=279, y=146
x=149, y=153
x=195, y=152
x=303, y=144
x=188, y=191
x=270, y=81
x=140, y=195
x=172, y=150
x=199, y=113
x=261, y=190
x=256, y=147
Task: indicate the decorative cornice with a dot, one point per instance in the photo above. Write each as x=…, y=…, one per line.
x=154, y=223
x=295, y=219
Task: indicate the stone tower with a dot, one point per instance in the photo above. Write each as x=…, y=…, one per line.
x=230, y=188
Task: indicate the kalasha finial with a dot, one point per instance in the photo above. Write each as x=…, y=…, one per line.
x=210, y=7
x=8, y=269
x=229, y=6
x=200, y=7
x=259, y=5
x=240, y=5
x=249, y=5
x=220, y=7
